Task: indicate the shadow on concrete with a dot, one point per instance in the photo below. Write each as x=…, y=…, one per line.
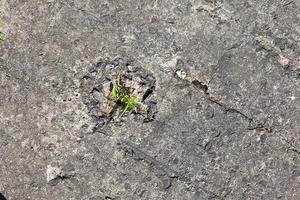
x=2, y=197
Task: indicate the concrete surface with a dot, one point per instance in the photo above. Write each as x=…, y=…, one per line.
x=225, y=100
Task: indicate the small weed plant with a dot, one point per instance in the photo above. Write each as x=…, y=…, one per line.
x=123, y=96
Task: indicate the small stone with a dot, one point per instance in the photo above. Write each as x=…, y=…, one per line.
x=109, y=66
x=283, y=60
x=106, y=88
x=53, y=173
x=181, y=74
x=132, y=68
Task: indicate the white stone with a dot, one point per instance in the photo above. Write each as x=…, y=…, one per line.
x=52, y=173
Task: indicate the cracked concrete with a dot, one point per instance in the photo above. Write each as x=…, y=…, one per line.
x=224, y=100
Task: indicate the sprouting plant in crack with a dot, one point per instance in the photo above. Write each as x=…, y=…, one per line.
x=1, y=37
x=123, y=96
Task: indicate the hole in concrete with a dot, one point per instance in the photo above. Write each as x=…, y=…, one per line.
x=96, y=86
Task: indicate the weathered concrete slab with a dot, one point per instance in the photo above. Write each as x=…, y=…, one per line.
x=223, y=105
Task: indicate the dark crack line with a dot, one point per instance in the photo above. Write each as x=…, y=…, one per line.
x=288, y=3
x=227, y=109
x=204, y=88
x=291, y=147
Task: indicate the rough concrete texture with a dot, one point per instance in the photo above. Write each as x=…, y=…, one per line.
x=223, y=112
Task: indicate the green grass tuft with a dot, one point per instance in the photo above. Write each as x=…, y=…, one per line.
x=122, y=95
x=129, y=103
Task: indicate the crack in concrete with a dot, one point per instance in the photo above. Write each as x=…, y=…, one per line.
x=205, y=89
x=291, y=146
